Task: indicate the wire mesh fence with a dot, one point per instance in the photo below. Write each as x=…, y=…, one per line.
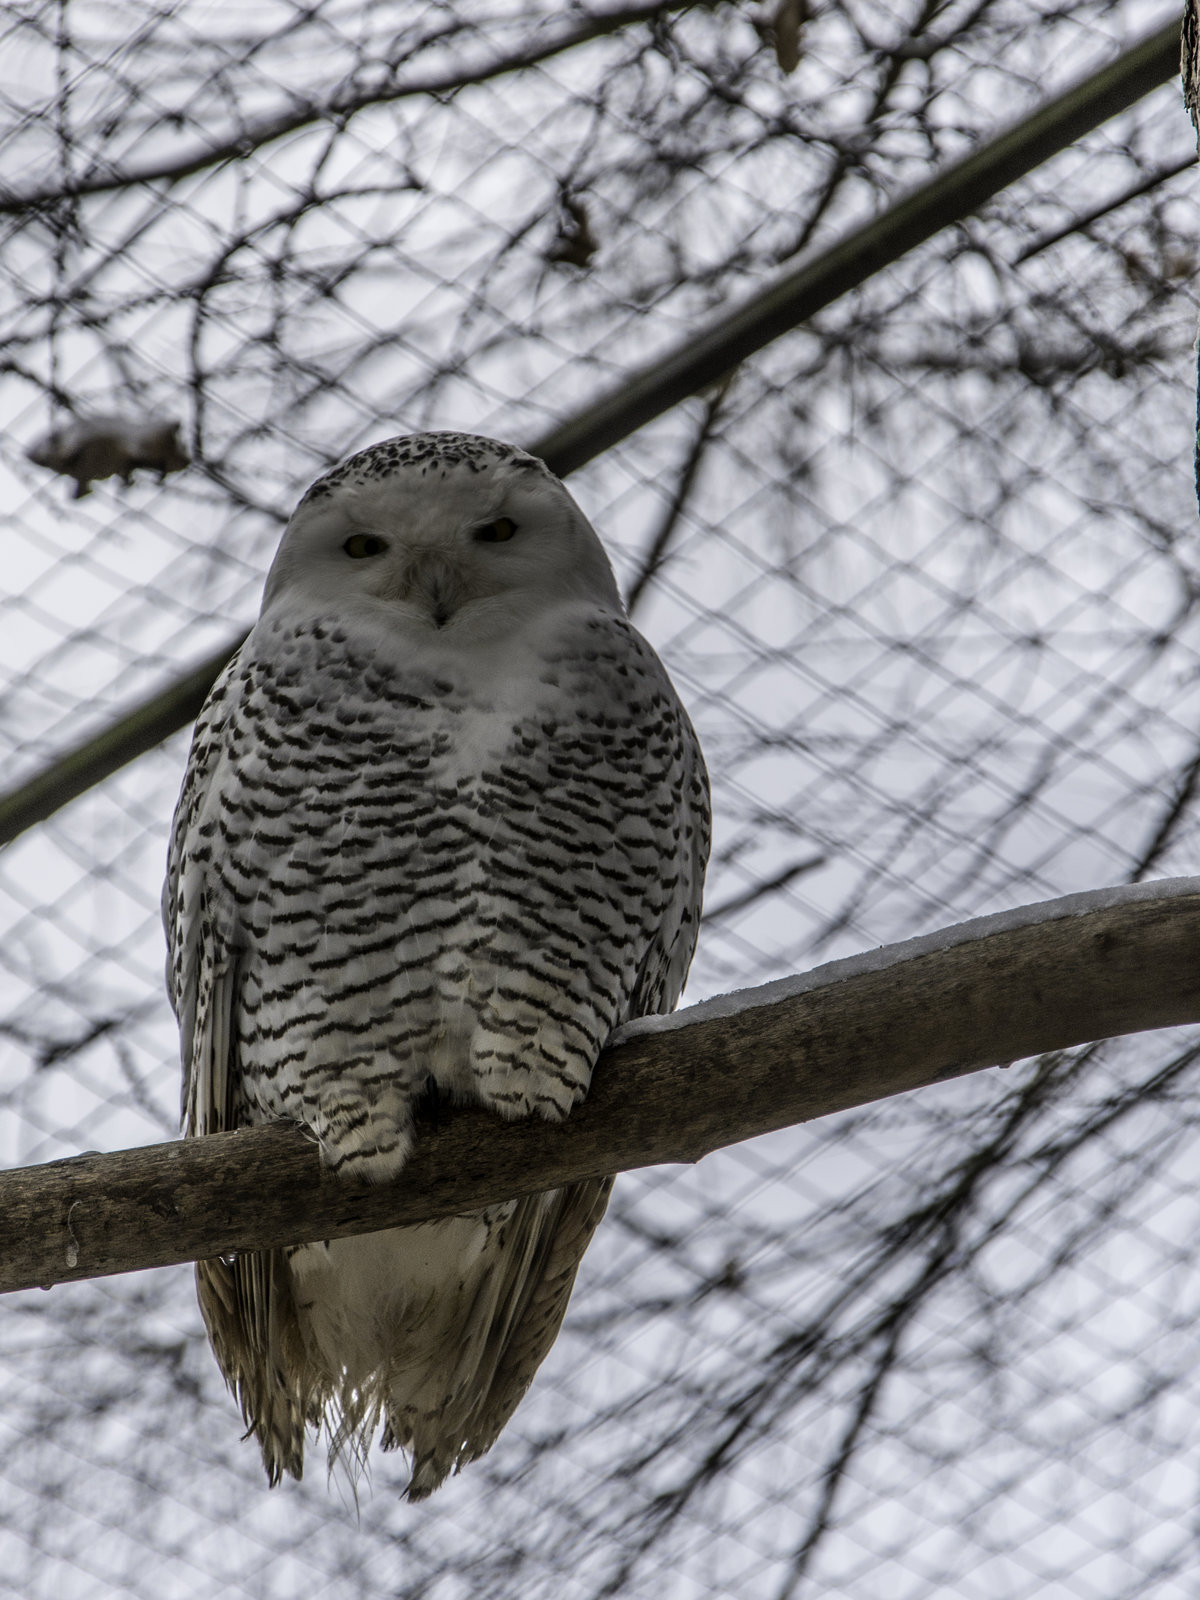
x=925, y=572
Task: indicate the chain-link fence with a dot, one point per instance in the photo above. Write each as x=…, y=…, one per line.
x=925, y=571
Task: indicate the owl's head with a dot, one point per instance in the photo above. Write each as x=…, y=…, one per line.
x=447, y=531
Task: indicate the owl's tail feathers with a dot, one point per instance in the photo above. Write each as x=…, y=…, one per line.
x=247, y=1308
x=519, y=1310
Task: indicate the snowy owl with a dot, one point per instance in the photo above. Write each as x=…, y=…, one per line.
x=444, y=826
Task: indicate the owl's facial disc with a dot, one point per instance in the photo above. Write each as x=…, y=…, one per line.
x=433, y=565
x=466, y=549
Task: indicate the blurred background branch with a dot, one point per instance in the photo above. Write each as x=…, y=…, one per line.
x=705, y=357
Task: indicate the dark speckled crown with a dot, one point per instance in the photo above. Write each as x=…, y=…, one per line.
x=433, y=454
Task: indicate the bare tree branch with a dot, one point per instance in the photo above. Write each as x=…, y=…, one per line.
x=707, y=358
x=760, y=891
x=656, y=555
x=675, y=1088
x=102, y=754
x=338, y=108
x=1105, y=208
x=713, y=352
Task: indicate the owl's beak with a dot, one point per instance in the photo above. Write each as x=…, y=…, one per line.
x=432, y=582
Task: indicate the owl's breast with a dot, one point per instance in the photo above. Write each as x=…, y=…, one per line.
x=446, y=882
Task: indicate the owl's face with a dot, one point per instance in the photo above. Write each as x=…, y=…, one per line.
x=445, y=545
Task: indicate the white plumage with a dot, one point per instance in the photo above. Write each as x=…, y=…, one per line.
x=444, y=825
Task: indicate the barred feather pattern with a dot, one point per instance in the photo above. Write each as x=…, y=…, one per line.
x=402, y=856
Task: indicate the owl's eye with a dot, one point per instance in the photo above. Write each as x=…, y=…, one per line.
x=496, y=532
x=364, y=544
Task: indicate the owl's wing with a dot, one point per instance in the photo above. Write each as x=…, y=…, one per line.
x=248, y=1311
x=684, y=855
x=563, y=1222
x=246, y=1301
x=547, y=1236
x=201, y=965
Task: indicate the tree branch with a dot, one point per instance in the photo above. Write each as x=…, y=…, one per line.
x=987, y=992
x=1106, y=207
x=338, y=108
x=656, y=554
x=711, y=353
x=703, y=359
x=99, y=756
